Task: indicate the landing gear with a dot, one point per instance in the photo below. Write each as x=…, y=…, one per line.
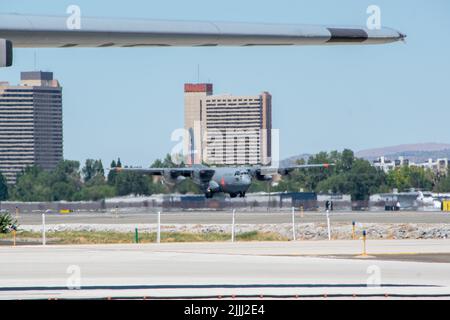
x=236, y=194
x=209, y=195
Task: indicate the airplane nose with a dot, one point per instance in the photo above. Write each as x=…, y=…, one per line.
x=246, y=180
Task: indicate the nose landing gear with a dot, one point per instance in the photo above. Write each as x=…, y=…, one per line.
x=240, y=194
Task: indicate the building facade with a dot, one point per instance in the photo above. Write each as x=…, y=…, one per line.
x=440, y=166
x=194, y=95
x=227, y=129
x=31, y=128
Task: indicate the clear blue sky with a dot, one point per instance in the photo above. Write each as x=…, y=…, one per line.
x=126, y=102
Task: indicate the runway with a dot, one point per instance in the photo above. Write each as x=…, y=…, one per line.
x=196, y=217
x=312, y=269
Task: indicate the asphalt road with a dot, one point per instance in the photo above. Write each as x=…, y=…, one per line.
x=281, y=270
x=241, y=218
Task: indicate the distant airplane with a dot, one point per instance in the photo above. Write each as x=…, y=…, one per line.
x=22, y=31
x=232, y=180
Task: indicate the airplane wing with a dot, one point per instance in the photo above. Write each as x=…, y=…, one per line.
x=287, y=170
x=24, y=31
x=185, y=172
x=266, y=173
x=201, y=173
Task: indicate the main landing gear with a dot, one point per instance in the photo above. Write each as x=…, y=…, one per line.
x=210, y=195
x=240, y=194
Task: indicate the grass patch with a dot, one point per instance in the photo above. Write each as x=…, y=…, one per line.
x=84, y=237
x=22, y=234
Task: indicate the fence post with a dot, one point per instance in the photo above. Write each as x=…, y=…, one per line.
x=364, y=244
x=353, y=230
x=232, y=226
x=293, y=224
x=158, y=233
x=44, y=240
x=136, y=235
x=328, y=225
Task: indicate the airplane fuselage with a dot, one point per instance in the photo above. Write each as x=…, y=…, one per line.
x=234, y=181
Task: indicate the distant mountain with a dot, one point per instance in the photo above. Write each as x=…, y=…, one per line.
x=414, y=152
x=293, y=160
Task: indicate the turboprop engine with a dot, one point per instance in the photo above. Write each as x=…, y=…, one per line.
x=172, y=179
x=6, y=53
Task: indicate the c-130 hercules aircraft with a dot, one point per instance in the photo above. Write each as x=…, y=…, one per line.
x=232, y=180
x=25, y=31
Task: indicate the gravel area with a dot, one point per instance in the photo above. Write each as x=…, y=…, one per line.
x=306, y=231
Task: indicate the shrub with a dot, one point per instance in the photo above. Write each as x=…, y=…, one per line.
x=7, y=223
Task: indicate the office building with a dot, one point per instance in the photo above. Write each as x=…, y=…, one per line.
x=440, y=166
x=226, y=129
x=31, y=131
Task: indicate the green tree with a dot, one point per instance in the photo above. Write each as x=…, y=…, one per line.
x=421, y=178
x=62, y=190
x=93, y=169
x=65, y=180
x=33, y=184
x=188, y=186
x=156, y=187
x=95, y=192
x=405, y=178
x=398, y=178
x=132, y=183
x=3, y=188
x=157, y=164
x=443, y=184
x=88, y=170
x=168, y=163
x=357, y=178
x=112, y=174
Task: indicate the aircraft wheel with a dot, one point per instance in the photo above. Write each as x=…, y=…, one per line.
x=209, y=195
x=233, y=195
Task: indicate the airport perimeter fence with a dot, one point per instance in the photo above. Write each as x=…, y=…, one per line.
x=273, y=205
x=168, y=205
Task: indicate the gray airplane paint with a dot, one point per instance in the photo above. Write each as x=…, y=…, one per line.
x=232, y=180
x=50, y=31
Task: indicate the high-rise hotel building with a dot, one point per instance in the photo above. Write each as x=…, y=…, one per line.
x=227, y=129
x=31, y=129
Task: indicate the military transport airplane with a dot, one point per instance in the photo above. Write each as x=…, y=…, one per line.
x=232, y=180
x=24, y=31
